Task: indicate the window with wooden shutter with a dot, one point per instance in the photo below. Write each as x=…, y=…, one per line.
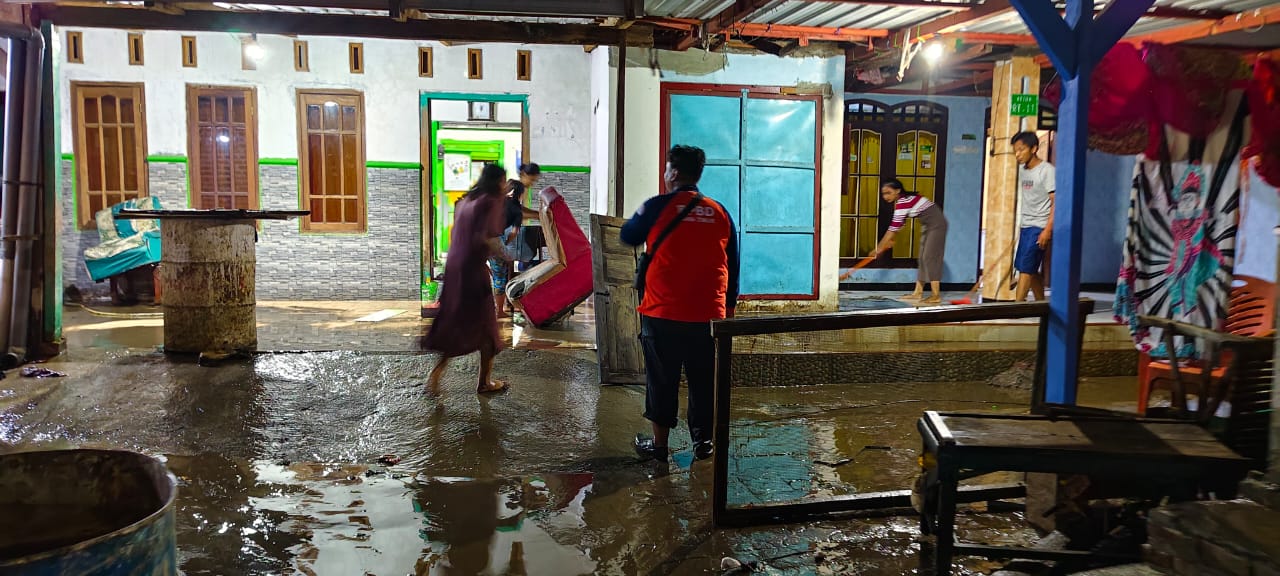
x=475, y=63
x=222, y=128
x=75, y=47
x=135, y=50
x=524, y=65
x=331, y=160
x=189, y=52
x=110, y=143
x=301, y=56
x=426, y=67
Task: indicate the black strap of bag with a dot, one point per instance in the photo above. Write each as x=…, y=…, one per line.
x=642, y=267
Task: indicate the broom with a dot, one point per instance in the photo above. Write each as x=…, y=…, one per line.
x=858, y=266
x=968, y=298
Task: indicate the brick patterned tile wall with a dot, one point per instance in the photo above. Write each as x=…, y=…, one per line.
x=575, y=187
x=165, y=180
x=380, y=264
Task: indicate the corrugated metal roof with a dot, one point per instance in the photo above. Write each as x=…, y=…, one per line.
x=873, y=16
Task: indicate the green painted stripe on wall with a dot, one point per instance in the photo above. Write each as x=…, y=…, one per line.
x=173, y=159
x=277, y=161
x=396, y=165
x=68, y=156
x=578, y=169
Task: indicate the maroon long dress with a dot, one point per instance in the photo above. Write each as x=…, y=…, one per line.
x=467, y=319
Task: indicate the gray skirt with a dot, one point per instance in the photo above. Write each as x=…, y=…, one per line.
x=933, y=243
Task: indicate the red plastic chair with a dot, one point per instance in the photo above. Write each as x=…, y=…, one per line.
x=1250, y=313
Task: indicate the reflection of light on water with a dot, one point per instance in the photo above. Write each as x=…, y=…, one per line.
x=117, y=324
x=351, y=522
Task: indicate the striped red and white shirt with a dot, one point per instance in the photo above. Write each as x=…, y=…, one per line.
x=907, y=207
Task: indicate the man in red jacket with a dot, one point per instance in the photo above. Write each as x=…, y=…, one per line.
x=692, y=280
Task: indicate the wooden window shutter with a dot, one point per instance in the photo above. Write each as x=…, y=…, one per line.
x=189, y=51
x=524, y=65
x=109, y=138
x=75, y=47
x=222, y=128
x=426, y=67
x=135, y=50
x=331, y=161
x=356, y=52
x=301, y=56
x=475, y=63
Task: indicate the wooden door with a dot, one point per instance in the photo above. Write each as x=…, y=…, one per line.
x=617, y=322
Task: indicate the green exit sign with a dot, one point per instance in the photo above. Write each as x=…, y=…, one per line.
x=1024, y=105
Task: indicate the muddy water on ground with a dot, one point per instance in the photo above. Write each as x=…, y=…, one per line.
x=278, y=458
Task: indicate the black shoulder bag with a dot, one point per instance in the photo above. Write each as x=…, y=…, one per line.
x=642, y=267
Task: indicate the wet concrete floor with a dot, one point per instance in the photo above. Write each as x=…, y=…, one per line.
x=282, y=469
x=278, y=458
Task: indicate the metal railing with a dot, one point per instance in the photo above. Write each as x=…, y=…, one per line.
x=724, y=331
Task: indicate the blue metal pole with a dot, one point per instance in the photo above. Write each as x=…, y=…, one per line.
x=1062, y=363
x=1074, y=47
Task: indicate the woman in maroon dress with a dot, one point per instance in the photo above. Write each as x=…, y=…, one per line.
x=468, y=321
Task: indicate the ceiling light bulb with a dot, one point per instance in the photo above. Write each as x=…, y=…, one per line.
x=254, y=51
x=933, y=52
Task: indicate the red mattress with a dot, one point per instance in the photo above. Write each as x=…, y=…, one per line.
x=550, y=290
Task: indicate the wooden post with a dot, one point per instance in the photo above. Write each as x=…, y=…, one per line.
x=1074, y=46
x=1018, y=75
x=620, y=122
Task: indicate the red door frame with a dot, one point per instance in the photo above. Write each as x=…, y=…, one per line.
x=768, y=92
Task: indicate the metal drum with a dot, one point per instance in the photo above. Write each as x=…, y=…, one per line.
x=207, y=270
x=86, y=512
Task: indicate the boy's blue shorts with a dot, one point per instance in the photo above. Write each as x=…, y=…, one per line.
x=1030, y=255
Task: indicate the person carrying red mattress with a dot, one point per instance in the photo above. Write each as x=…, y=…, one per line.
x=691, y=280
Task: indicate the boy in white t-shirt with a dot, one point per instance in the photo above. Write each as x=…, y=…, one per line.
x=1035, y=191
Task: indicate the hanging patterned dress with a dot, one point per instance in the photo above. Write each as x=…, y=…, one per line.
x=1180, y=246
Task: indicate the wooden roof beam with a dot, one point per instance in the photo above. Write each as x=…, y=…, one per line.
x=977, y=79
x=714, y=26
x=282, y=23
x=953, y=5
x=1233, y=23
x=952, y=22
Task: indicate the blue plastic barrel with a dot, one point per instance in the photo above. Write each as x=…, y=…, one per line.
x=86, y=512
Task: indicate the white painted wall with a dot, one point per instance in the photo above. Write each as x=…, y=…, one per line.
x=460, y=111
x=642, y=163
x=559, y=98
x=603, y=96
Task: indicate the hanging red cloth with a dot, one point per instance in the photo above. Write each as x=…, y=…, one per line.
x=1119, y=101
x=1264, y=111
x=1190, y=87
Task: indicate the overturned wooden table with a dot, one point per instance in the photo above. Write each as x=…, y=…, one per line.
x=207, y=274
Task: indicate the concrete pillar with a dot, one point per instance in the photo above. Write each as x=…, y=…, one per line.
x=1273, y=470
x=1017, y=75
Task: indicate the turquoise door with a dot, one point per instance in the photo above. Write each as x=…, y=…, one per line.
x=762, y=166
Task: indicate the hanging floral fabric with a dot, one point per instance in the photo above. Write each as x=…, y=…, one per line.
x=1264, y=114
x=1179, y=249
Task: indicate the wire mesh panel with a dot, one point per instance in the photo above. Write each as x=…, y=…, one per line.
x=795, y=445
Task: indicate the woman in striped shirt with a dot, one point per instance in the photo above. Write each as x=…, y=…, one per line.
x=933, y=239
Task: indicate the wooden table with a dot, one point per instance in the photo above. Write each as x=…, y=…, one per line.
x=207, y=275
x=1173, y=458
